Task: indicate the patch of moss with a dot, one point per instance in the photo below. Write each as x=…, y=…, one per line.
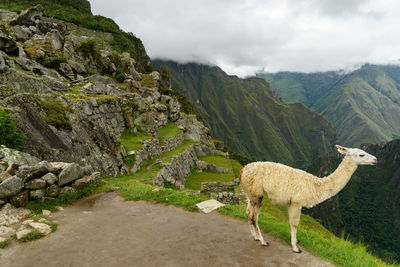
x=56, y=114
x=5, y=243
x=147, y=81
x=31, y=236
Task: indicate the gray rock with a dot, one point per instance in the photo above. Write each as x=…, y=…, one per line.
x=6, y=232
x=41, y=227
x=96, y=176
x=155, y=75
x=53, y=190
x=33, y=29
x=82, y=182
x=50, y=178
x=28, y=17
x=20, y=200
x=22, y=33
x=10, y=215
x=23, y=233
x=4, y=175
x=36, y=194
x=70, y=173
x=11, y=186
x=7, y=44
x=79, y=68
x=67, y=71
x=7, y=15
x=11, y=156
x=135, y=75
x=35, y=184
x=12, y=168
x=31, y=172
x=56, y=39
x=202, y=165
x=54, y=84
x=67, y=190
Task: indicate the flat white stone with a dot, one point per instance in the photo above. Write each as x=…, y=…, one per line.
x=2, y=239
x=6, y=232
x=46, y=212
x=209, y=205
x=27, y=222
x=60, y=208
x=23, y=233
x=41, y=227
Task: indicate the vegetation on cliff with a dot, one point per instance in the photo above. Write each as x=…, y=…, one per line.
x=8, y=132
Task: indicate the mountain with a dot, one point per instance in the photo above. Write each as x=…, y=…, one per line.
x=363, y=106
x=368, y=208
x=249, y=117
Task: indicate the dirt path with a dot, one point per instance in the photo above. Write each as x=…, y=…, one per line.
x=105, y=230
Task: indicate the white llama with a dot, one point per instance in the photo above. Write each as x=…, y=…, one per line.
x=296, y=188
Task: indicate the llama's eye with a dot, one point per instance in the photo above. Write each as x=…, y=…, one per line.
x=362, y=155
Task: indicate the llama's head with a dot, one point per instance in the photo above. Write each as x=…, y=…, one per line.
x=359, y=156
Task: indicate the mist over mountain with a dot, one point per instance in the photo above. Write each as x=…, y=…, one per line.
x=363, y=105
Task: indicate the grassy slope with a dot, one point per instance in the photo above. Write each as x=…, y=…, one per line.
x=364, y=106
x=249, y=119
x=195, y=178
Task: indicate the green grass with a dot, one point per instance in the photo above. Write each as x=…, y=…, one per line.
x=150, y=168
x=312, y=236
x=5, y=243
x=236, y=167
x=132, y=141
x=195, y=178
x=168, y=131
x=31, y=236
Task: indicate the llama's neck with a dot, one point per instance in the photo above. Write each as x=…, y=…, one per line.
x=332, y=184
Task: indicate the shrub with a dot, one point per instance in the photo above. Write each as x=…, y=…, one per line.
x=54, y=62
x=8, y=135
x=120, y=78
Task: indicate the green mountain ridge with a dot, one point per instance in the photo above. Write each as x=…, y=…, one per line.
x=362, y=105
x=249, y=117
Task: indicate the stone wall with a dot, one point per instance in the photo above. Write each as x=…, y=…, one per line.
x=42, y=180
x=214, y=186
x=152, y=148
x=230, y=198
x=177, y=170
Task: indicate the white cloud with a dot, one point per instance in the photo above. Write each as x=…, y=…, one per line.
x=243, y=36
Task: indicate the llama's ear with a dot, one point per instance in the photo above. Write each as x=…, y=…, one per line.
x=341, y=150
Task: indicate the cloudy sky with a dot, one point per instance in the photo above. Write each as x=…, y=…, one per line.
x=244, y=36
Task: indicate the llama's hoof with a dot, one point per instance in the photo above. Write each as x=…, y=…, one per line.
x=265, y=245
x=297, y=251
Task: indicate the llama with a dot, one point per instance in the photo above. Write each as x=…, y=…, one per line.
x=296, y=188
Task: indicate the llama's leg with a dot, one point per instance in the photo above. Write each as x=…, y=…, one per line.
x=294, y=219
x=250, y=215
x=257, y=212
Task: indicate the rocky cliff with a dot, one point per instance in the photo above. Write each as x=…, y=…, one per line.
x=73, y=95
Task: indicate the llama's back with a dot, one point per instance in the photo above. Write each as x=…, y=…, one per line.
x=282, y=183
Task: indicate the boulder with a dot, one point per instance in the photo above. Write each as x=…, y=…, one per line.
x=8, y=45
x=28, y=17
x=22, y=33
x=53, y=190
x=79, y=68
x=35, y=184
x=155, y=75
x=11, y=186
x=70, y=173
x=202, y=165
x=20, y=200
x=56, y=39
x=67, y=190
x=31, y=172
x=4, y=175
x=84, y=181
x=6, y=15
x=50, y=178
x=67, y=71
x=12, y=168
x=54, y=84
x=10, y=215
x=36, y=194
x=6, y=232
